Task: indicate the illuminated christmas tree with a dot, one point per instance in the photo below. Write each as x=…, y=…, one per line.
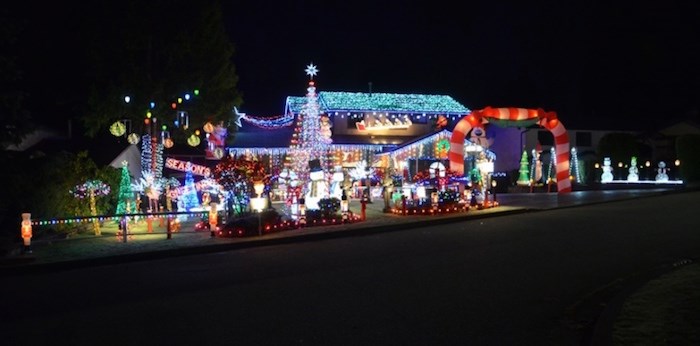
x=524, y=177
x=189, y=194
x=311, y=139
x=126, y=201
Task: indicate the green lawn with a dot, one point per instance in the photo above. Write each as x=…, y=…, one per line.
x=662, y=312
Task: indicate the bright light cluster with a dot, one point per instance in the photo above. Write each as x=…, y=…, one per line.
x=309, y=141
x=384, y=102
x=270, y=122
x=94, y=187
x=152, y=157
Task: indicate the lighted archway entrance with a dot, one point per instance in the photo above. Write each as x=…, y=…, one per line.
x=513, y=117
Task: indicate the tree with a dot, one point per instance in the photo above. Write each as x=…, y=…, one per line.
x=311, y=138
x=15, y=121
x=126, y=203
x=236, y=176
x=189, y=194
x=156, y=52
x=524, y=171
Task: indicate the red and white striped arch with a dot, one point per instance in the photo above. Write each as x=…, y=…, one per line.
x=547, y=120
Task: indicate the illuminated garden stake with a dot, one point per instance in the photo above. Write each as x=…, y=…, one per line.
x=26, y=231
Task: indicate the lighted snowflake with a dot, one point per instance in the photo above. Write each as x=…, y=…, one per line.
x=311, y=70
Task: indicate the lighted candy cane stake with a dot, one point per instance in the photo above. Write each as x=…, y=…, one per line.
x=519, y=117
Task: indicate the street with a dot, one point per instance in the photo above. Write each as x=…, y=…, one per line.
x=507, y=280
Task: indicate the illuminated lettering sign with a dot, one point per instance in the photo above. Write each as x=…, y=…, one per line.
x=186, y=166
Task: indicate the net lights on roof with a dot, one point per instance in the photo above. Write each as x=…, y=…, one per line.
x=270, y=122
x=383, y=102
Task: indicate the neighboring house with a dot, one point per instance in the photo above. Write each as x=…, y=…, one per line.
x=663, y=141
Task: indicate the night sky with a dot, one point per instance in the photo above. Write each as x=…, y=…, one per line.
x=631, y=65
x=624, y=66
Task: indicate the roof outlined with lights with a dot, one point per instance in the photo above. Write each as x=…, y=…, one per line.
x=337, y=101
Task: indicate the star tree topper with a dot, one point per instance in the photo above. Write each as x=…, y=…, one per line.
x=311, y=70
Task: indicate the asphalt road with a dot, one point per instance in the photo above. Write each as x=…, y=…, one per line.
x=508, y=280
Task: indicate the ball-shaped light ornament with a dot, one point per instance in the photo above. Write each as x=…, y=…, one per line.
x=208, y=127
x=218, y=153
x=117, y=129
x=193, y=140
x=168, y=143
x=133, y=138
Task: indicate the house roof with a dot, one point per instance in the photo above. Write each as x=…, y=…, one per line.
x=335, y=101
x=251, y=136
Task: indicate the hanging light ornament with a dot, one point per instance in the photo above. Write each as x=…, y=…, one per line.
x=168, y=143
x=117, y=129
x=133, y=138
x=194, y=140
x=208, y=127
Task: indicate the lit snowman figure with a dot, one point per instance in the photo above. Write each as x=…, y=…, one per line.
x=661, y=172
x=633, y=170
x=607, y=171
x=317, y=187
x=337, y=182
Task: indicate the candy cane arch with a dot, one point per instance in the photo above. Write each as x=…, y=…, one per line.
x=547, y=120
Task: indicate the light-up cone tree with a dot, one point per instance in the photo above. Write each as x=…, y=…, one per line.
x=311, y=139
x=524, y=176
x=189, y=194
x=92, y=189
x=126, y=194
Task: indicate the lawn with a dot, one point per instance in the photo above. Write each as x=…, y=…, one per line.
x=663, y=312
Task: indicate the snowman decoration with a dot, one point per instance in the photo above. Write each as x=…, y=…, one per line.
x=633, y=170
x=337, y=182
x=607, y=171
x=317, y=187
x=661, y=172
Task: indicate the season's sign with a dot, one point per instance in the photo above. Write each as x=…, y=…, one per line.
x=186, y=166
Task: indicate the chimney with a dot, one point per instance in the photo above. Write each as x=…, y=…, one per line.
x=370, y=88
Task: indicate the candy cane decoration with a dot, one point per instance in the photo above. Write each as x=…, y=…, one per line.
x=547, y=120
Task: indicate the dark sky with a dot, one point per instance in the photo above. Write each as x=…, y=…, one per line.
x=623, y=66
x=626, y=65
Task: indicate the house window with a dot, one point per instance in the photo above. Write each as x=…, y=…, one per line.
x=583, y=139
x=545, y=138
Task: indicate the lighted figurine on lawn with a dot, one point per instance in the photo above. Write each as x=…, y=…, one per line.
x=661, y=172
x=476, y=197
x=337, y=182
x=633, y=175
x=92, y=189
x=607, y=171
x=317, y=187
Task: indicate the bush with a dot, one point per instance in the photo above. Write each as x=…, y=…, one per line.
x=686, y=149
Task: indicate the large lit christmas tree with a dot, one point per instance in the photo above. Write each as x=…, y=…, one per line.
x=125, y=200
x=311, y=138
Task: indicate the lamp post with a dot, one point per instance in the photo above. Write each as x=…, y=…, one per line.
x=493, y=190
x=259, y=203
x=647, y=165
x=619, y=165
